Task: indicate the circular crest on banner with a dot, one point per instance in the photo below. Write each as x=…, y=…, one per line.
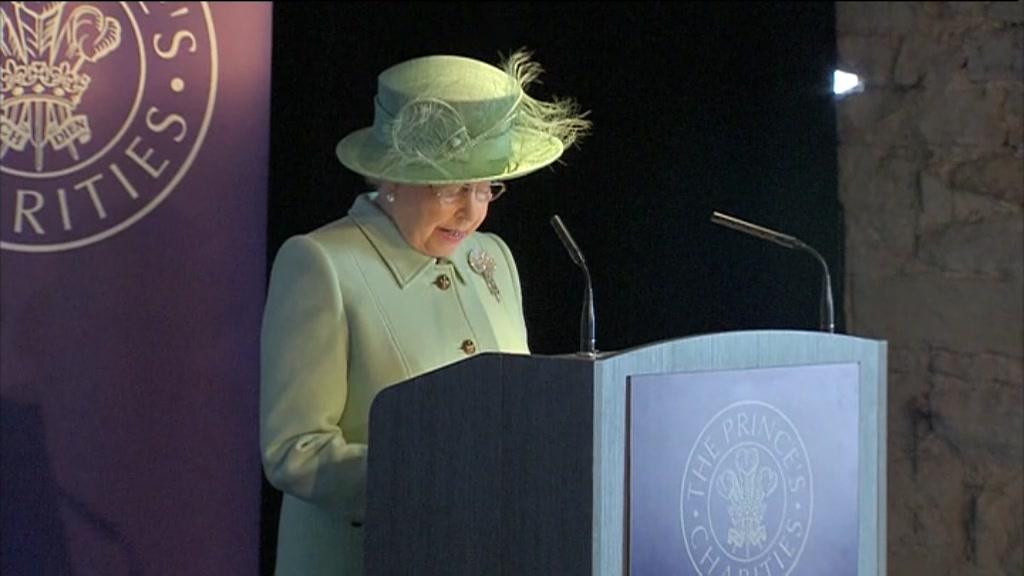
x=103, y=109
x=747, y=493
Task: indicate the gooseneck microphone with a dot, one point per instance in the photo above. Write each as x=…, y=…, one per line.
x=587, y=340
x=827, y=310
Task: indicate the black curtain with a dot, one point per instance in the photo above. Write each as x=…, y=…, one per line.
x=696, y=107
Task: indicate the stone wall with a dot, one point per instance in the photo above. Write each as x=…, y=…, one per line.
x=932, y=185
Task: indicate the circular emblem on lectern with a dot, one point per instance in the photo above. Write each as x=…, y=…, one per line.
x=747, y=493
x=103, y=108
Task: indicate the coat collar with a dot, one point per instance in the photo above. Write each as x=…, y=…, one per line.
x=402, y=259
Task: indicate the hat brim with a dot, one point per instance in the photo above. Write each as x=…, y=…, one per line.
x=363, y=154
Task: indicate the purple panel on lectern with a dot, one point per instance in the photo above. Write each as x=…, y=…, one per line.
x=744, y=472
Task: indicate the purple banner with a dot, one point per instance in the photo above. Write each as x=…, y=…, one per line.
x=134, y=142
x=744, y=472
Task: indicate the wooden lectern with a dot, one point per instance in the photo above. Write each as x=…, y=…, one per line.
x=753, y=453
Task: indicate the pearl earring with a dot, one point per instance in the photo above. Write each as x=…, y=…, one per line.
x=389, y=197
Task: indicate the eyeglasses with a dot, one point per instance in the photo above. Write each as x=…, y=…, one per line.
x=484, y=192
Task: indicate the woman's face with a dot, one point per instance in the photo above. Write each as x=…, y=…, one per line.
x=430, y=225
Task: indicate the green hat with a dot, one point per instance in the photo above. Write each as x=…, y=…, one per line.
x=445, y=119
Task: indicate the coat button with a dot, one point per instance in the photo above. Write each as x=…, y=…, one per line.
x=443, y=282
x=468, y=347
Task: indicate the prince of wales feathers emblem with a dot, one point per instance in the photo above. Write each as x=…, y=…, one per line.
x=41, y=82
x=746, y=487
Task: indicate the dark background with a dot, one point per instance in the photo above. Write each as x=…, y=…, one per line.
x=696, y=107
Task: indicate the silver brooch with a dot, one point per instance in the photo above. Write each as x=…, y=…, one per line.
x=482, y=263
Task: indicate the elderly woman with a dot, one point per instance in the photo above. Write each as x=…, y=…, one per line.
x=401, y=286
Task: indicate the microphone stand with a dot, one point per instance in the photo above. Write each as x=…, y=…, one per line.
x=827, y=311
x=587, y=322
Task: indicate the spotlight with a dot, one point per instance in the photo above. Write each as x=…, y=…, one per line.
x=846, y=83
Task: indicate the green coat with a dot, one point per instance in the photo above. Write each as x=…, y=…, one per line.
x=352, y=309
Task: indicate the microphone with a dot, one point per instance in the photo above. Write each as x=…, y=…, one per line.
x=785, y=240
x=587, y=341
